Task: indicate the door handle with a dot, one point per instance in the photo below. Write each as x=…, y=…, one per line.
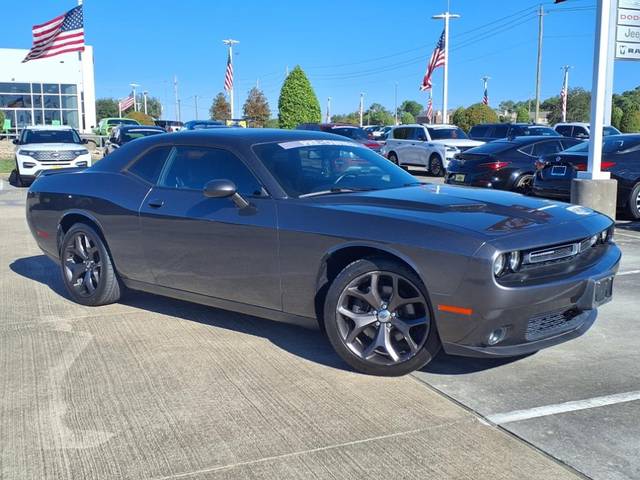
x=157, y=203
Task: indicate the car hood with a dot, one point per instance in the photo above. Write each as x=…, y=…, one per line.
x=56, y=147
x=458, y=142
x=482, y=212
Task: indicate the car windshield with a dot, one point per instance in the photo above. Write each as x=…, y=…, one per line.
x=542, y=131
x=611, y=144
x=51, y=136
x=309, y=167
x=129, y=135
x=121, y=121
x=355, y=133
x=606, y=131
x=446, y=133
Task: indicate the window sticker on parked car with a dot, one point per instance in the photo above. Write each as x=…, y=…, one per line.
x=313, y=143
x=579, y=210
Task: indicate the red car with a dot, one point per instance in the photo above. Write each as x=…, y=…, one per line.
x=350, y=131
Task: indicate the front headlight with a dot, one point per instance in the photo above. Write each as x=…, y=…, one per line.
x=514, y=261
x=26, y=153
x=451, y=149
x=77, y=153
x=499, y=264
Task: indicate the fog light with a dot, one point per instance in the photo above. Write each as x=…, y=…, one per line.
x=28, y=164
x=603, y=236
x=81, y=164
x=496, y=336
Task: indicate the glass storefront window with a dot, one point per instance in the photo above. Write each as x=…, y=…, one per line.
x=51, y=101
x=50, y=116
x=37, y=101
x=69, y=101
x=70, y=117
x=23, y=118
x=36, y=87
x=51, y=88
x=38, y=117
x=7, y=87
x=15, y=101
x=68, y=89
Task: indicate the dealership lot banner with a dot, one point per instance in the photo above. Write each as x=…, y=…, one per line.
x=628, y=30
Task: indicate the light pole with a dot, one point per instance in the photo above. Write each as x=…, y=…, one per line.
x=135, y=100
x=539, y=63
x=144, y=94
x=361, y=107
x=328, y=119
x=195, y=97
x=395, y=112
x=229, y=42
x=446, y=16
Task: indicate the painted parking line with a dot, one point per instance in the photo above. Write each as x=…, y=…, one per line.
x=628, y=272
x=627, y=234
x=519, y=415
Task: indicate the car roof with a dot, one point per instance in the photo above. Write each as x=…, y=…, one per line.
x=140, y=127
x=536, y=138
x=578, y=124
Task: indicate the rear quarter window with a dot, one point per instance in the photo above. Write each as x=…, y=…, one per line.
x=149, y=165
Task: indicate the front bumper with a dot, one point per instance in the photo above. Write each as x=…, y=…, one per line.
x=534, y=316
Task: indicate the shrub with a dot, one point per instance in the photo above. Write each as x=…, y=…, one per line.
x=141, y=118
x=298, y=102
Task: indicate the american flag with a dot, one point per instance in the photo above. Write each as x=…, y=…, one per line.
x=437, y=60
x=61, y=35
x=126, y=103
x=228, y=75
x=485, y=97
x=430, y=110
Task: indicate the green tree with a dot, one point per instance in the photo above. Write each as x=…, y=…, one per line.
x=407, y=117
x=271, y=123
x=630, y=122
x=141, y=118
x=154, y=107
x=522, y=114
x=298, y=102
x=616, y=117
x=578, y=106
x=256, y=107
x=352, y=118
x=220, y=108
x=1, y=120
x=475, y=114
x=376, y=114
x=412, y=107
x=106, y=107
x=460, y=119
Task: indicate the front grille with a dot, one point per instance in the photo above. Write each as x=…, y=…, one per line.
x=555, y=253
x=54, y=156
x=552, y=323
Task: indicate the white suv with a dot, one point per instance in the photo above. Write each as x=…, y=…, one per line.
x=46, y=148
x=431, y=146
x=581, y=130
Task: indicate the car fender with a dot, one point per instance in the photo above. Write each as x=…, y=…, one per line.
x=80, y=213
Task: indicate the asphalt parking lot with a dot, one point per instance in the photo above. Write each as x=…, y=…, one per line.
x=153, y=388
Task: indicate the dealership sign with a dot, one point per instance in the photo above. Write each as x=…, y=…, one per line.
x=628, y=30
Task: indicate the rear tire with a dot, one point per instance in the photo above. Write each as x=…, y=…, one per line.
x=435, y=165
x=87, y=270
x=633, y=206
x=387, y=329
x=393, y=158
x=523, y=184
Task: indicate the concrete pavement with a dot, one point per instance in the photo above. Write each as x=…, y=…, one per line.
x=153, y=388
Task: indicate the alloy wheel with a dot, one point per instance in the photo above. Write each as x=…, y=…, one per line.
x=383, y=318
x=82, y=264
x=524, y=183
x=435, y=166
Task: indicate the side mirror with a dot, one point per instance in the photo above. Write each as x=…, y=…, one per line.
x=16, y=141
x=85, y=141
x=224, y=189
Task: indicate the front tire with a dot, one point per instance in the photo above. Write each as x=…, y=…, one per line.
x=634, y=202
x=87, y=271
x=435, y=166
x=378, y=318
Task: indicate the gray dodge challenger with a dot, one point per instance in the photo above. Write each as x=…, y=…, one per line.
x=314, y=229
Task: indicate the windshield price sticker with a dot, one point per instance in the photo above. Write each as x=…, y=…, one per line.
x=316, y=143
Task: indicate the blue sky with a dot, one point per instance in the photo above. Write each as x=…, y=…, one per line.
x=346, y=47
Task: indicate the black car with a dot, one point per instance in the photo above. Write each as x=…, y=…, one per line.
x=315, y=229
x=620, y=157
x=507, y=164
x=488, y=132
x=125, y=133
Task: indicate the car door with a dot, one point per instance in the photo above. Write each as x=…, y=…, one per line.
x=421, y=147
x=399, y=143
x=207, y=245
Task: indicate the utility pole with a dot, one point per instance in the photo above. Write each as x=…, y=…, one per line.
x=195, y=97
x=446, y=16
x=144, y=94
x=135, y=99
x=328, y=119
x=361, y=107
x=395, y=111
x=565, y=90
x=539, y=64
x=230, y=43
x=175, y=93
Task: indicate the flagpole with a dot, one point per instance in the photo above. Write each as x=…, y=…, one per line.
x=81, y=121
x=230, y=43
x=445, y=84
x=565, y=86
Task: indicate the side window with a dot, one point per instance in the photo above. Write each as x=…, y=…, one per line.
x=546, y=148
x=564, y=130
x=569, y=142
x=149, y=166
x=528, y=150
x=191, y=168
x=580, y=132
x=418, y=134
x=479, y=131
x=400, y=133
x=500, y=131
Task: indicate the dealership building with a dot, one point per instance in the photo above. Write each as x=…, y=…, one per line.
x=58, y=90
